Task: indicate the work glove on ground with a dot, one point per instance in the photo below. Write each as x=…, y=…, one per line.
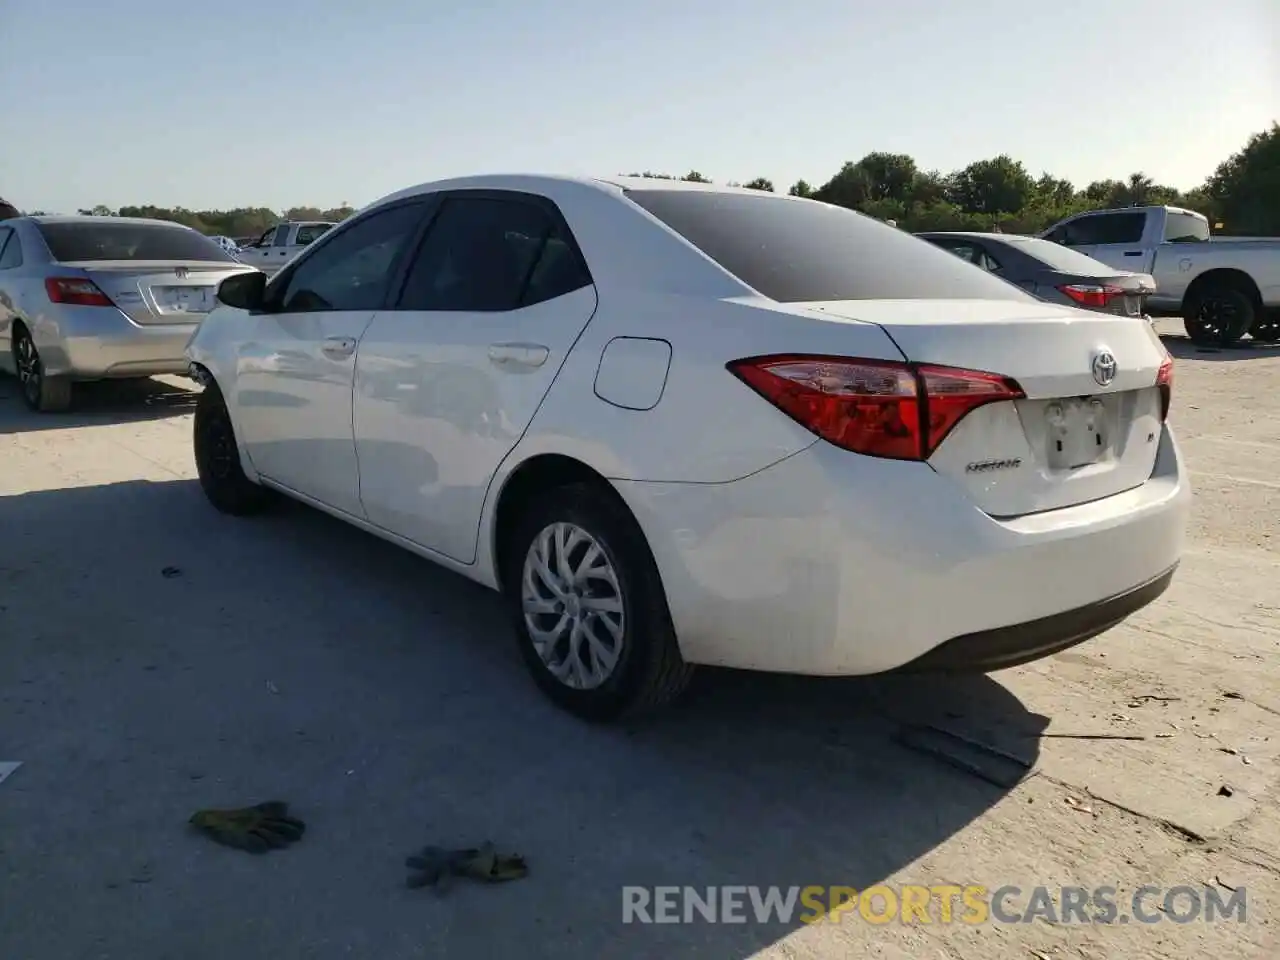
x=437, y=867
x=257, y=829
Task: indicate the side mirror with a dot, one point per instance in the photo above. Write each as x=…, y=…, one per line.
x=244, y=291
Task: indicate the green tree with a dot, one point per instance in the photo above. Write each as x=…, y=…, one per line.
x=890, y=176
x=1245, y=188
x=800, y=188
x=760, y=183
x=998, y=185
x=693, y=176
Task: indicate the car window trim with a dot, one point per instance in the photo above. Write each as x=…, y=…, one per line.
x=7, y=235
x=543, y=203
x=428, y=202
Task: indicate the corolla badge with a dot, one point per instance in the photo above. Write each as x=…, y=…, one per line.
x=1104, y=367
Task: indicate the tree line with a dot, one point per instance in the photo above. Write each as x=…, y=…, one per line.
x=1241, y=197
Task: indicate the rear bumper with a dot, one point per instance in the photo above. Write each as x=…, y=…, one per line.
x=1021, y=643
x=831, y=564
x=88, y=343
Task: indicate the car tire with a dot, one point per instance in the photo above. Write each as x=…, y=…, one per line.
x=41, y=393
x=218, y=459
x=620, y=610
x=1267, y=329
x=1219, y=315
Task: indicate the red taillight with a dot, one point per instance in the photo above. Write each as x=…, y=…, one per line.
x=1164, y=380
x=1092, y=294
x=76, y=291
x=880, y=408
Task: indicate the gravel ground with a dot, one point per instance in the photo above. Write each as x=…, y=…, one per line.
x=156, y=658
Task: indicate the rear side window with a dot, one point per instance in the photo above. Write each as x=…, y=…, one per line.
x=115, y=240
x=1185, y=228
x=795, y=251
x=1060, y=258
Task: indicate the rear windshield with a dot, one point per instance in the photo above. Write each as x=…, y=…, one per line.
x=795, y=251
x=108, y=240
x=1060, y=258
x=1184, y=228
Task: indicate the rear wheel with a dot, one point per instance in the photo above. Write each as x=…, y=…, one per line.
x=218, y=459
x=1267, y=329
x=590, y=613
x=1219, y=315
x=42, y=393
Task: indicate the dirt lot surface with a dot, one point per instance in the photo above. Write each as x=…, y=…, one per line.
x=156, y=657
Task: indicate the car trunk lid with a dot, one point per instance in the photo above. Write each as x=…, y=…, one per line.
x=156, y=292
x=1090, y=423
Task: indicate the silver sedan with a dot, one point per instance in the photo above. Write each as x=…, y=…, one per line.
x=93, y=298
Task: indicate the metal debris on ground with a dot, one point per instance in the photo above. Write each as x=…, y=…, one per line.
x=438, y=866
x=255, y=829
x=1225, y=791
x=7, y=767
x=1098, y=736
x=982, y=760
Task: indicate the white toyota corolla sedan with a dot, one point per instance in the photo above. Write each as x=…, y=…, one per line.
x=680, y=424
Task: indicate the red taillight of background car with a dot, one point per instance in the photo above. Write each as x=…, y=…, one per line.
x=1164, y=380
x=1093, y=295
x=76, y=291
x=880, y=408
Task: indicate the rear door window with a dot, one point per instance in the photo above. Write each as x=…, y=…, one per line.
x=10, y=249
x=796, y=251
x=104, y=239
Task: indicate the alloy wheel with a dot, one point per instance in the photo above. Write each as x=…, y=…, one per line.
x=30, y=370
x=573, y=606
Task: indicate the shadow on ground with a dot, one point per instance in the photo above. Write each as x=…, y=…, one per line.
x=159, y=657
x=103, y=401
x=1181, y=347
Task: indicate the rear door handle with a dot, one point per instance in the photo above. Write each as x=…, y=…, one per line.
x=1133, y=253
x=338, y=347
x=518, y=354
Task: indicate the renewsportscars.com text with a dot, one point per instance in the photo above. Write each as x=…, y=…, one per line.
x=939, y=904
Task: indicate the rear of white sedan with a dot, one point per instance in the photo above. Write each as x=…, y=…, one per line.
x=993, y=478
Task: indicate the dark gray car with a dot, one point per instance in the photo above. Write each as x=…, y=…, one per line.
x=1052, y=272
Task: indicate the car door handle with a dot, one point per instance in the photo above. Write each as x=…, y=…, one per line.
x=338, y=347
x=1133, y=253
x=518, y=354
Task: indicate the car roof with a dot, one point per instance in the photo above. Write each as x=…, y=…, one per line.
x=551, y=184
x=975, y=235
x=90, y=219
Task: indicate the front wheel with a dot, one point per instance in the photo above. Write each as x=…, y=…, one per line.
x=218, y=459
x=590, y=613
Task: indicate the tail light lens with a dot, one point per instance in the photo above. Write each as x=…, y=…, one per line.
x=76, y=291
x=1092, y=295
x=880, y=408
x=1164, y=380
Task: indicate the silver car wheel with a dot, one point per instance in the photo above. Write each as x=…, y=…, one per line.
x=29, y=367
x=573, y=608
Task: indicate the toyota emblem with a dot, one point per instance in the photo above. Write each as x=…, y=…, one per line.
x=181, y=272
x=1104, y=367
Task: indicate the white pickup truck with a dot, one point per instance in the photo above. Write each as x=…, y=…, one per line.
x=1222, y=287
x=282, y=243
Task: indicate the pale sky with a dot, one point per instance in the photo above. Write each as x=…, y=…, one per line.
x=315, y=102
